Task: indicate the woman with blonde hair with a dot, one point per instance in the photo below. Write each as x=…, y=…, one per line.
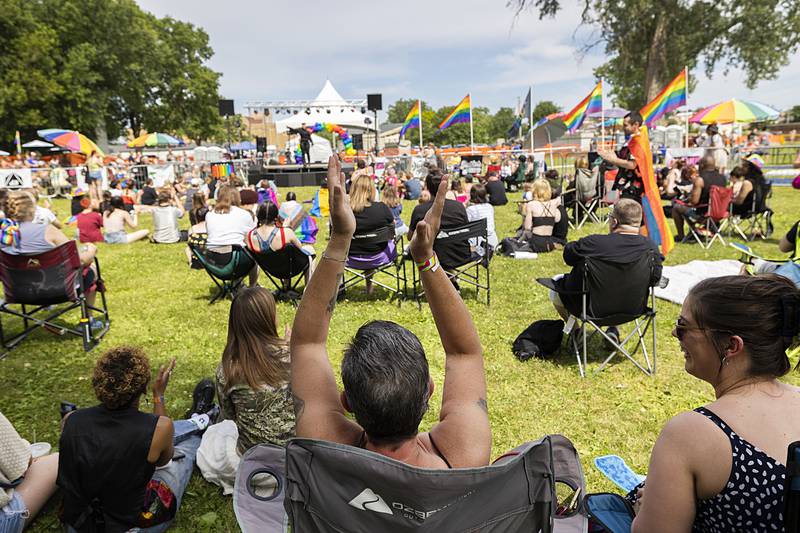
x=540, y=215
x=227, y=225
x=252, y=383
x=370, y=216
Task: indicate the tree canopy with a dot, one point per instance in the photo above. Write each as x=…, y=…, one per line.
x=103, y=64
x=649, y=42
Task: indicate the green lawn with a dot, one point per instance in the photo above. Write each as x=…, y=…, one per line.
x=158, y=303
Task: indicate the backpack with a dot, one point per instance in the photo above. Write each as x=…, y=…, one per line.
x=509, y=245
x=540, y=339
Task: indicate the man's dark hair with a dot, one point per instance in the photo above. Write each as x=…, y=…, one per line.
x=432, y=181
x=635, y=117
x=385, y=377
x=361, y=164
x=707, y=163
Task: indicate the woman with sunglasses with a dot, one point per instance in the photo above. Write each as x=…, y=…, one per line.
x=722, y=466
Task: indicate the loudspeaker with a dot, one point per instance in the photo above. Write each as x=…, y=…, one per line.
x=261, y=144
x=358, y=141
x=375, y=102
x=226, y=108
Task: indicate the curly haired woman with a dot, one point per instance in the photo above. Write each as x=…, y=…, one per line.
x=120, y=466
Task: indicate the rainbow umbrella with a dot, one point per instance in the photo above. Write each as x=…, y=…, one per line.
x=71, y=140
x=154, y=139
x=734, y=110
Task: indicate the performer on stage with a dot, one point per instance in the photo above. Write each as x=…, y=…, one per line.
x=629, y=177
x=305, y=143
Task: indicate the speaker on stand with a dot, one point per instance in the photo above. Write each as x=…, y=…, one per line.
x=375, y=104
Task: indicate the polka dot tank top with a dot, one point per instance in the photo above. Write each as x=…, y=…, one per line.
x=753, y=498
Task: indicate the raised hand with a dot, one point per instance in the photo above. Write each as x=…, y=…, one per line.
x=162, y=380
x=428, y=228
x=343, y=222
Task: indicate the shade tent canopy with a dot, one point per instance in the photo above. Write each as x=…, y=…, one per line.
x=37, y=144
x=328, y=107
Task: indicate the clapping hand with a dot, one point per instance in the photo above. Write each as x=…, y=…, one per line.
x=343, y=221
x=428, y=228
x=162, y=380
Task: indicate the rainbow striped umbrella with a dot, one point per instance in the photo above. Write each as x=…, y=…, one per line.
x=71, y=140
x=154, y=139
x=734, y=110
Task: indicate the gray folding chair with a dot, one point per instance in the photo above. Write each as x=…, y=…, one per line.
x=259, y=489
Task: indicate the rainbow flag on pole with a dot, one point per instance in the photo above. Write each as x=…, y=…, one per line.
x=18, y=142
x=412, y=119
x=591, y=104
x=654, y=220
x=462, y=113
x=672, y=97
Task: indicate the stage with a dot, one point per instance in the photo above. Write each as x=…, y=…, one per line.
x=294, y=175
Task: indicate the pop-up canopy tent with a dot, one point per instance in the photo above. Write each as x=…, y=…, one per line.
x=328, y=107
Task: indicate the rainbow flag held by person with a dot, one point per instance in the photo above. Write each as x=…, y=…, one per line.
x=412, y=119
x=591, y=104
x=654, y=220
x=462, y=113
x=671, y=97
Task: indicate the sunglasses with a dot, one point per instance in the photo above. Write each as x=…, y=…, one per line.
x=681, y=328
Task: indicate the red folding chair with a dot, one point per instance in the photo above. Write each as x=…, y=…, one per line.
x=709, y=228
x=38, y=284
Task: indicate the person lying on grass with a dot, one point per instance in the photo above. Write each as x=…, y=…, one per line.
x=387, y=385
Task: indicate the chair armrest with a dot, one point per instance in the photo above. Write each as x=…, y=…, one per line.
x=551, y=284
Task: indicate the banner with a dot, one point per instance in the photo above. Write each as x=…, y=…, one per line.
x=161, y=174
x=16, y=178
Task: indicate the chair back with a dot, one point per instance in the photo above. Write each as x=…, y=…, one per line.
x=283, y=264
x=379, y=236
x=585, y=184
x=761, y=193
x=462, y=235
x=719, y=202
x=617, y=292
x=236, y=268
x=48, y=278
x=791, y=513
x=611, y=195
x=332, y=488
x=259, y=489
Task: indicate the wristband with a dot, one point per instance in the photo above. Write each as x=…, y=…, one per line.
x=329, y=258
x=431, y=264
x=158, y=399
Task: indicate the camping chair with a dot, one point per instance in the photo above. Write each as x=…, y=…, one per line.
x=259, y=490
x=469, y=270
x=359, y=269
x=609, y=197
x=709, y=228
x=761, y=218
x=614, y=294
x=285, y=268
x=228, y=277
x=587, y=199
x=39, y=282
x=332, y=488
x=791, y=511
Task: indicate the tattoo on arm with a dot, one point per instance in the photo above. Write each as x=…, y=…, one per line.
x=483, y=405
x=299, y=405
x=332, y=303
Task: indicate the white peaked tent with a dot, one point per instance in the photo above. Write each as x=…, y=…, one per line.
x=328, y=107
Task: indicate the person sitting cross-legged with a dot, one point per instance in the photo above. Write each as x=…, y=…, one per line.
x=387, y=385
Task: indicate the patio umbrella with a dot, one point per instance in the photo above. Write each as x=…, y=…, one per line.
x=37, y=144
x=610, y=112
x=154, y=139
x=4, y=153
x=734, y=110
x=71, y=140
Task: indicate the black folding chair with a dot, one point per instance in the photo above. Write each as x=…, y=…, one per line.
x=469, y=269
x=227, y=276
x=356, y=272
x=285, y=268
x=38, y=283
x=791, y=510
x=613, y=294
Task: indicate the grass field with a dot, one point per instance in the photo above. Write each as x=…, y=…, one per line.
x=156, y=302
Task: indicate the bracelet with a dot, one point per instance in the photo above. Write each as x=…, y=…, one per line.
x=431, y=264
x=158, y=399
x=329, y=258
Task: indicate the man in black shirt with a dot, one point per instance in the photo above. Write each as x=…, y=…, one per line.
x=629, y=179
x=451, y=254
x=622, y=244
x=495, y=189
x=305, y=142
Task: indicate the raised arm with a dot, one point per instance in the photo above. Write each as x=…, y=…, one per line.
x=318, y=410
x=463, y=431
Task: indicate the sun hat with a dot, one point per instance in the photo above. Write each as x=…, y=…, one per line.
x=755, y=160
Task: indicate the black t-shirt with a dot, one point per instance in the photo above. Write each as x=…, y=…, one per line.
x=617, y=247
x=497, y=192
x=376, y=216
x=149, y=196
x=451, y=254
x=710, y=178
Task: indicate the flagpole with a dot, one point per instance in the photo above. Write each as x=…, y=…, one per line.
x=419, y=103
x=530, y=116
x=471, y=132
x=602, y=115
x=686, y=72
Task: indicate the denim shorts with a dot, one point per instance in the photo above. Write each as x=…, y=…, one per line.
x=13, y=515
x=116, y=237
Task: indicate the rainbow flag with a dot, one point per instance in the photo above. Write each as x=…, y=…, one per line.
x=412, y=119
x=461, y=113
x=672, y=97
x=653, y=214
x=18, y=142
x=591, y=104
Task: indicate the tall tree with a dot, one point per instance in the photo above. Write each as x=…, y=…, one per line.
x=544, y=108
x=649, y=41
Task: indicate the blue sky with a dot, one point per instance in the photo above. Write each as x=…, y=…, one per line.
x=437, y=50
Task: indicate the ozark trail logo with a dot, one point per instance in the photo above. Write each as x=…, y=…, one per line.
x=369, y=501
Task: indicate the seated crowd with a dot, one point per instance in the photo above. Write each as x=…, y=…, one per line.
x=121, y=468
